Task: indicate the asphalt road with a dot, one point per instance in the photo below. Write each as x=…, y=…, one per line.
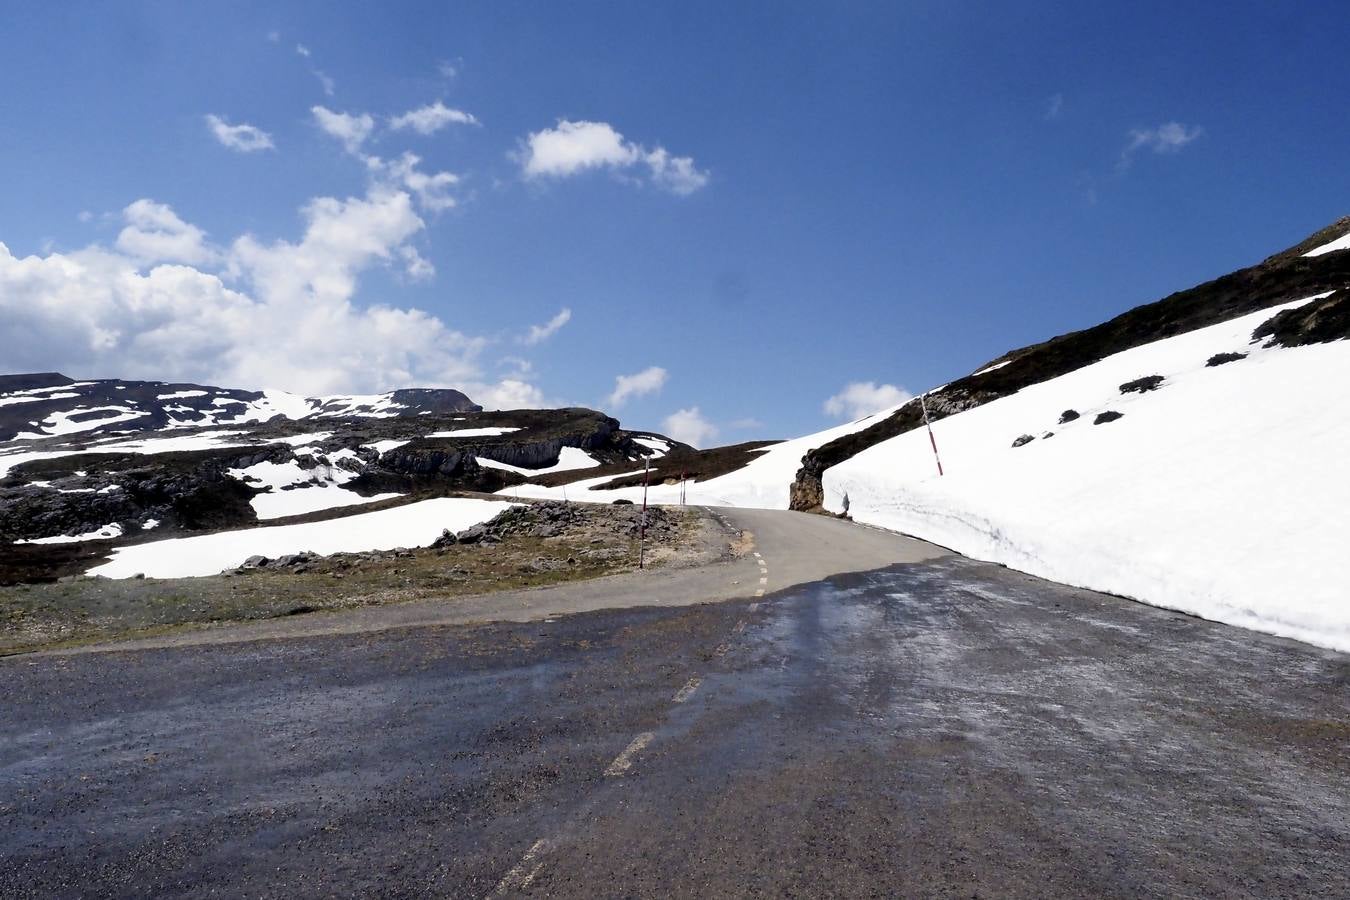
x=935, y=728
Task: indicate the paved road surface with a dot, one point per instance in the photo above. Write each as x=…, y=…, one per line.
x=936, y=728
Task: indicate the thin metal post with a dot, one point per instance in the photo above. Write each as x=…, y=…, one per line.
x=932, y=440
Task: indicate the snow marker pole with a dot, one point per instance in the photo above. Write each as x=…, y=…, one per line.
x=932, y=440
x=642, y=525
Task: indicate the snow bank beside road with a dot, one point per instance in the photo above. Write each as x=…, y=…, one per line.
x=1222, y=493
x=414, y=525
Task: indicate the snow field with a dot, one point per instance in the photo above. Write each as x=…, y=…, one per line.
x=413, y=525
x=1218, y=494
x=568, y=459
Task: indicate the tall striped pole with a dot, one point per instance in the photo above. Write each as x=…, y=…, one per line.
x=926, y=424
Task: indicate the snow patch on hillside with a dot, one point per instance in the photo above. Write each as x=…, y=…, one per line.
x=1341, y=243
x=413, y=525
x=1219, y=494
x=569, y=458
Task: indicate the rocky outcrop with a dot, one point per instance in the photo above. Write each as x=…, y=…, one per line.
x=1317, y=322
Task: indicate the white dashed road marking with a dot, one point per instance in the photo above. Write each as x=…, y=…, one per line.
x=687, y=691
x=624, y=761
x=523, y=872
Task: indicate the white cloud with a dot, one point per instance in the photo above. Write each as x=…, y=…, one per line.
x=639, y=384
x=689, y=426
x=351, y=130
x=85, y=216
x=675, y=173
x=242, y=138
x=273, y=313
x=432, y=191
x=862, y=398
x=575, y=147
x=154, y=233
x=509, y=393
x=1054, y=107
x=431, y=118
x=1166, y=138
x=302, y=50
x=540, y=333
x=448, y=69
x=274, y=36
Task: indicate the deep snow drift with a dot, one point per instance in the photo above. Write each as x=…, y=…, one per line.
x=1221, y=493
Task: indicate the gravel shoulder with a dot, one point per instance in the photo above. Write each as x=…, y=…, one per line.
x=539, y=545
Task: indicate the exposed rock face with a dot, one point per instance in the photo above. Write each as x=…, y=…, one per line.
x=1023, y=440
x=1142, y=385
x=1109, y=416
x=1280, y=279
x=1219, y=359
x=1317, y=322
x=1068, y=416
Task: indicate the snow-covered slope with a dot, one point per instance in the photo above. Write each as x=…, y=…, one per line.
x=1221, y=493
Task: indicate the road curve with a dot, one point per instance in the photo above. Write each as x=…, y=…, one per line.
x=787, y=548
x=935, y=728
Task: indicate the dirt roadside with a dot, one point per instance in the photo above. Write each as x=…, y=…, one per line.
x=543, y=544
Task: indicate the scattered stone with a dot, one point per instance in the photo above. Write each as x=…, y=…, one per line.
x=623, y=502
x=1047, y=435
x=1068, y=416
x=1219, y=359
x=1109, y=416
x=1023, y=440
x=254, y=562
x=1142, y=385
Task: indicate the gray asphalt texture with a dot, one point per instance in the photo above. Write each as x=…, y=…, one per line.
x=934, y=728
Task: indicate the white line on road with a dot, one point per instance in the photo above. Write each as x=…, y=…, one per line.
x=759, y=592
x=687, y=691
x=764, y=581
x=522, y=873
x=624, y=761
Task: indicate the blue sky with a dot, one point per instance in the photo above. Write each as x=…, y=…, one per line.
x=766, y=201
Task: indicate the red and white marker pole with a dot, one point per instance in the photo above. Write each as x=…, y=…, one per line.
x=642, y=523
x=926, y=424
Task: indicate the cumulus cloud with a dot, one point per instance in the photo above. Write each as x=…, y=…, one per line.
x=1166, y=138
x=540, y=333
x=351, y=130
x=639, y=384
x=431, y=118
x=689, y=427
x=240, y=138
x=862, y=398
x=267, y=313
x=155, y=233
x=432, y=189
x=575, y=147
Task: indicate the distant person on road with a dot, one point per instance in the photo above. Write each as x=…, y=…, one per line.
x=845, y=504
